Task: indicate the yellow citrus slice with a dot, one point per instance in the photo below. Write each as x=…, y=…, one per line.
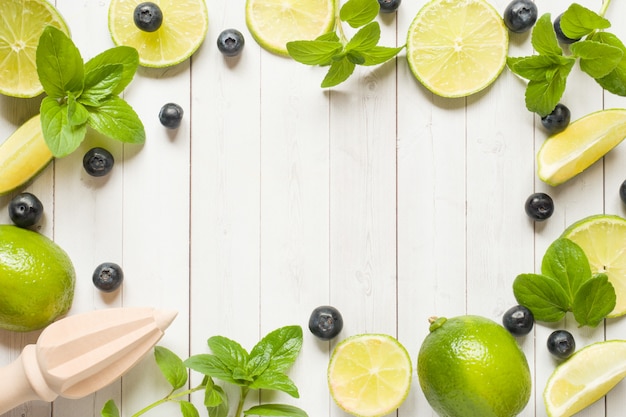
x=273, y=23
x=369, y=375
x=457, y=47
x=21, y=25
x=603, y=239
x=184, y=28
x=569, y=152
x=585, y=377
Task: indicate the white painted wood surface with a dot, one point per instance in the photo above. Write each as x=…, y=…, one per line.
x=276, y=196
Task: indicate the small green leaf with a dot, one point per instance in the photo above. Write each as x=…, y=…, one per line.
x=231, y=353
x=77, y=114
x=543, y=37
x=60, y=135
x=567, y=263
x=126, y=56
x=366, y=38
x=212, y=366
x=379, y=54
x=100, y=84
x=277, y=381
x=313, y=52
x=258, y=364
x=110, y=409
x=171, y=367
x=218, y=407
x=615, y=81
x=59, y=64
x=542, y=295
x=282, y=345
x=329, y=36
x=188, y=409
x=355, y=57
x=358, y=13
x=533, y=67
x=578, y=21
x=597, y=59
x=595, y=299
x=543, y=96
x=338, y=72
x=116, y=119
x=212, y=396
x=276, y=410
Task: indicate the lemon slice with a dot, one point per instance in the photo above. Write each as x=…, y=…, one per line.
x=567, y=153
x=585, y=377
x=273, y=23
x=184, y=28
x=603, y=239
x=21, y=25
x=369, y=375
x=457, y=47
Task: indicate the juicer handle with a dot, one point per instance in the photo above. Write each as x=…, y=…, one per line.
x=23, y=381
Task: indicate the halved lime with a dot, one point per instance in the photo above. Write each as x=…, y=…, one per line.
x=369, y=375
x=457, y=47
x=184, y=28
x=569, y=152
x=603, y=239
x=585, y=377
x=21, y=25
x=273, y=23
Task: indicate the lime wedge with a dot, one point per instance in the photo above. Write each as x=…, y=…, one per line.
x=569, y=152
x=369, y=375
x=21, y=25
x=457, y=47
x=184, y=28
x=585, y=377
x=603, y=239
x=273, y=23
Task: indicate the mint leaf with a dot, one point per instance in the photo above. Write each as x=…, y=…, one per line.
x=357, y=13
x=543, y=96
x=615, y=81
x=77, y=114
x=275, y=410
x=379, y=54
x=595, y=299
x=216, y=402
x=211, y=365
x=188, y=409
x=317, y=52
x=110, y=409
x=542, y=295
x=231, y=353
x=366, y=38
x=543, y=37
x=116, y=119
x=566, y=262
x=59, y=64
x=171, y=367
x=282, y=345
x=61, y=136
x=533, y=67
x=277, y=381
x=329, y=36
x=125, y=56
x=597, y=59
x=338, y=72
x=101, y=83
x=578, y=21
x=355, y=57
x=212, y=397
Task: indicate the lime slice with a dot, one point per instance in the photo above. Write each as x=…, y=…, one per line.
x=21, y=25
x=603, y=239
x=273, y=23
x=585, y=377
x=184, y=28
x=586, y=140
x=457, y=47
x=369, y=375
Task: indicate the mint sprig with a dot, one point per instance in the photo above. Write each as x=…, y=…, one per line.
x=262, y=368
x=84, y=94
x=566, y=283
x=340, y=54
x=600, y=54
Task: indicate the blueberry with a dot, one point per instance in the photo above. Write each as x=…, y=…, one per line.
x=98, y=162
x=559, y=32
x=108, y=276
x=561, y=344
x=171, y=115
x=25, y=210
x=539, y=206
x=389, y=6
x=520, y=15
x=325, y=322
x=557, y=120
x=622, y=192
x=230, y=42
x=148, y=16
x=518, y=320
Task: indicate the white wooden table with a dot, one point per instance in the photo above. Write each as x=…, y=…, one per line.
x=276, y=196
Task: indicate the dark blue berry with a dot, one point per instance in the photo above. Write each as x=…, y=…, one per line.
x=148, y=16
x=98, y=162
x=520, y=15
x=171, y=115
x=230, y=42
x=622, y=192
x=518, y=320
x=325, y=322
x=561, y=344
x=559, y=32
x=389, y=6
x=558, y=120
x=25, y=210
x=108, y=276
x=539, y=206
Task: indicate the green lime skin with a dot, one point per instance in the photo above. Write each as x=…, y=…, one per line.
x=37, y=280
x=471, y=366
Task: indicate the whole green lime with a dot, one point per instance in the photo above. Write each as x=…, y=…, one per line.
x=471, y=366
x=36, y=280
